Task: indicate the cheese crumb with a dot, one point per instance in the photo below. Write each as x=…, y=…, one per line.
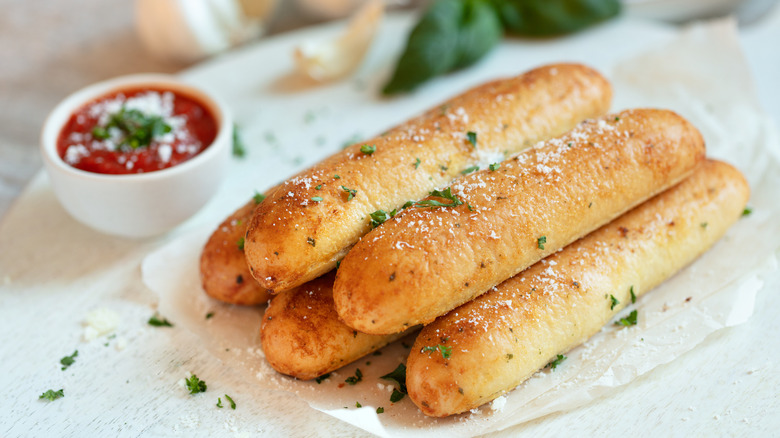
x=100, y=322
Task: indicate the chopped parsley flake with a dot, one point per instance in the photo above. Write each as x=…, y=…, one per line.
x=747, y=211
x=703, y=225
x=396, y=396
x=417, y=162
x=240, y=243
x=52, y=395
x=446, y=352
x=138, y=130
x=446, y=194
x=209, y=315
x=351, y=193
x=398, y=376
x=493, y=167
x=319, y=187
x=557, y=361
x=472, y=138
x=353, y=380
x=239, y=150
x=155, y=321
x=379, y=217
x=380, y=410
x=259, y=197
x=232, y=403
x=195, y=385
x=614, y=301
x=68, y=360
x=219, y=402
x=322, y=378
x=336, y=177
x=541, y=241
x=316, y=198
x=633, y=295
x=358, y=405
x=368, y=149
x=628, y=320
x=468, y=170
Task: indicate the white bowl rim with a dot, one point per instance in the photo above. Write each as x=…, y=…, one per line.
x=61, y=113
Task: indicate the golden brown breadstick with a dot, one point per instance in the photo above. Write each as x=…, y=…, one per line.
x=303, y=229
x=302, y=336
x=498, y=340
x=429, y=260
x=224, y=273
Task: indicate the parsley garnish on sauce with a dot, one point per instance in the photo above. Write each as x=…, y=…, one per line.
x=628, y=320
x=195, y=385
x=68, y=360
x=157, y=322
x=232, y=403
x=472, y=138
x=380, y=410
x=138, y=130
x=614, y=301
x=633, y=296
x=446, y=194
x=557, y=361
x=747, y=211
x=322, y=378
x=52, y=395
x=368, y=149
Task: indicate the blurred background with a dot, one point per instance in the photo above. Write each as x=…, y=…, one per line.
x=50, y=48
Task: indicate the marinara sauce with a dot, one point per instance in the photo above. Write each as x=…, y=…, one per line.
x=97, y=139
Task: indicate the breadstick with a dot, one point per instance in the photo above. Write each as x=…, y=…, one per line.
x=497, y=341
x=302, y=336
x=224, y=273
x=303, y=229
x=429, y=260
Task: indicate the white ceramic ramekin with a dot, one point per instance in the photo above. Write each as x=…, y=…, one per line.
x=144, y=204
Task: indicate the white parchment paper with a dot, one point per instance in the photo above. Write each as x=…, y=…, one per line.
x=703, y=76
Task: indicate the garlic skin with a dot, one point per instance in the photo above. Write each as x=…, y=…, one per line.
x=330, y=60
x=191, y=30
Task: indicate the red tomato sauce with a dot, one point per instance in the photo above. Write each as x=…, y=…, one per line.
x=192, y=129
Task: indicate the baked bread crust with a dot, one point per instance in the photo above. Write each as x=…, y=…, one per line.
x=498, y=340
x=427, y=261
x=302, y=336
x=303, y=229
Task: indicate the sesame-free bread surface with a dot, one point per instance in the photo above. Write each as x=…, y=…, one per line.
x=429, y=260
x=224, y=273
x=504, y=336
x=304, y=228
x=302, y=336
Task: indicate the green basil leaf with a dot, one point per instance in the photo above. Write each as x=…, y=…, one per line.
x=479, y=31
x=553, y=17
x=452, y=34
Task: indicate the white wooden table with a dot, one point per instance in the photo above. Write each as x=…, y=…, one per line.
x=54, y=271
